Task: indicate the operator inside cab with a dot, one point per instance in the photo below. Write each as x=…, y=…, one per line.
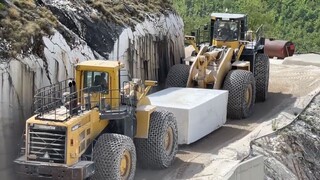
x=226, y=31
x=98, y=83
x=103, y=82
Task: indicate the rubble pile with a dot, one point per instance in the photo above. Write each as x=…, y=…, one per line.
x=293, y=151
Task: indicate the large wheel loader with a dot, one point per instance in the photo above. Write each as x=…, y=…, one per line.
x=231, y=60
x=96, y=126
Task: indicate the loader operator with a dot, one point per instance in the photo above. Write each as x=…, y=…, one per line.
x=100, y=80
x=225, y=31
x=103, y=82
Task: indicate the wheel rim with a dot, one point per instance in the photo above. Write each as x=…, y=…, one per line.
x=168, y=140
x=125, y=165
x=248, y=96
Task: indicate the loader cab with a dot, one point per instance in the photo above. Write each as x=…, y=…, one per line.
x=228, y=29
x=100, y=79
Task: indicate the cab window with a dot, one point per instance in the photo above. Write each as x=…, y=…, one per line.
x=225, y=30
x=97, y=81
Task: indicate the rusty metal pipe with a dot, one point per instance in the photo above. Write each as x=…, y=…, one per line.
x=279, y=48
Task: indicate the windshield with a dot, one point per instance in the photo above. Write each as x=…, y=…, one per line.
x=225, y=30
x=98, y=81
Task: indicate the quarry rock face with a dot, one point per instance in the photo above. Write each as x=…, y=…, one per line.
x=293, y=151
x=148, y=47
x=19, y=78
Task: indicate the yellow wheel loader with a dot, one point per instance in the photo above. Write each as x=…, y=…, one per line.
x=96, y=126
x=231, y=60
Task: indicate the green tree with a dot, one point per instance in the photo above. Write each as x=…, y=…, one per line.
x=295, y=20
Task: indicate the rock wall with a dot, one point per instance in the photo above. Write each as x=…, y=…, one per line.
x=15, y=103
x=19, y=78
x=148, y=49
x=293, y=151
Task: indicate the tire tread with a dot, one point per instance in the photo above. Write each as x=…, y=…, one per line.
x=150, y=151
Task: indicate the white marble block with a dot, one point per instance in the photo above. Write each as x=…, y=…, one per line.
x=198, y=111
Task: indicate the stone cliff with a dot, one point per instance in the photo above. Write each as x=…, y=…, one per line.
x=42, y=40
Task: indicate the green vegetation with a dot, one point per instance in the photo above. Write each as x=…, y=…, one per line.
x=295, y=20
x=128, y=12
x=2, y=7
x=24, y=26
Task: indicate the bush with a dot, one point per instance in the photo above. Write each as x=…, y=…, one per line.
x=26, y=24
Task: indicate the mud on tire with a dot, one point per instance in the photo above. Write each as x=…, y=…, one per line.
x=240, y=100
x=178, y=76
x=153, y=152
x=261, y=74
x=107, y=154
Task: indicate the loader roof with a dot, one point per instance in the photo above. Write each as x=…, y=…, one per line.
x=227, y=16
x=99, y=65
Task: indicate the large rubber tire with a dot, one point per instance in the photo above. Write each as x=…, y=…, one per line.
x=178, y=76
x=242, y=90
x=153, y=151
x=261, y=74
x=108, y=153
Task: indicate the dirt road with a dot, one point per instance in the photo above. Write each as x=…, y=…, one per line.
x=289, y=85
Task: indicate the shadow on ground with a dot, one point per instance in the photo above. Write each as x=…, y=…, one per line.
x=178, y=168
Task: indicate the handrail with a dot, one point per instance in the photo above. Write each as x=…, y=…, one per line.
x=58, y=102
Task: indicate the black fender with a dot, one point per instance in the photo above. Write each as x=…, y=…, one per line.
x=259, y=47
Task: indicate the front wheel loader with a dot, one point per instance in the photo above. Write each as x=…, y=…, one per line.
x=230, y=61
x=94, y=127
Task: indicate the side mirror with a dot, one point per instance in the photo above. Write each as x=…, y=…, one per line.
x=262, y=41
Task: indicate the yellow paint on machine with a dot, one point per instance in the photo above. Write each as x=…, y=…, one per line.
x=88, y=124
x=82, y=128
x=231, y=44
x=143, y=120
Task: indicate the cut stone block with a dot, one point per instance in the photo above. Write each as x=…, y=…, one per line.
x=198, y=111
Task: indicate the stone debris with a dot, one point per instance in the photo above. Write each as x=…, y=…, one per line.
x=293, y=151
